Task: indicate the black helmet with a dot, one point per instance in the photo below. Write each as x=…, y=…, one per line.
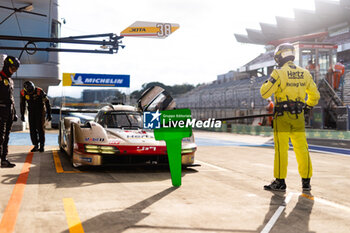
x=29, y=87
x=10, y=62
x=283, y=53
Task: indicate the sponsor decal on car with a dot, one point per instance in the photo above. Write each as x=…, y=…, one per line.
x=146, y=148
x=94, y=139
x=114, y=141
x=86, y=159
x=139, y=136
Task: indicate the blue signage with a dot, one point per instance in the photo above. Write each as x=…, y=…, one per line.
x=96, y=80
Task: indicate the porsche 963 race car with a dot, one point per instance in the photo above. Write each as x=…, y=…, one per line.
x=117, y=136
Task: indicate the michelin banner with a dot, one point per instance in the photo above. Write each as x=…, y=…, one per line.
x=96, y=80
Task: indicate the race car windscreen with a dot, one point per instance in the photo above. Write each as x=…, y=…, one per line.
x=121, y=120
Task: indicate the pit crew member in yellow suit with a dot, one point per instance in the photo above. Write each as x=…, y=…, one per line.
x=290, y=83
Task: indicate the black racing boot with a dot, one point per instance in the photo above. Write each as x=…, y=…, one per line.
x=35, y=148
x=306, y=184
x=276, y=185
x=41, y=149
x=6, y=163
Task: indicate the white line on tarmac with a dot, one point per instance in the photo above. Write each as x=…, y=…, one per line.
x=327, y=152
x=277, y=214
x=332, y=204
x=281, y=208
x=213, y=166
x=326, y=202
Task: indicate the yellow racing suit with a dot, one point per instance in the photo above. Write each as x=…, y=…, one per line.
x=290, y=84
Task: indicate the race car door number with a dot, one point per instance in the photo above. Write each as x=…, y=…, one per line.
x=146, y=148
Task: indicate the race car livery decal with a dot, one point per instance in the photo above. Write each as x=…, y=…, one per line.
x=145, y=148
x=94, y=139
x=86, y=159
x=139, y=136
x=114, y=141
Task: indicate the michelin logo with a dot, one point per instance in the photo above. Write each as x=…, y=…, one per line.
x=80, y=80
x=151, y=120
x=110, y=80
x=76, y=81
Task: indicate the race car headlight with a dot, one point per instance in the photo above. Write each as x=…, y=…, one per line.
x=189, y=150
x=108, y=150
x=96, y=149
x=92, y=151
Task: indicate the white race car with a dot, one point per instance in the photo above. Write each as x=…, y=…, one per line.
x=117, y=136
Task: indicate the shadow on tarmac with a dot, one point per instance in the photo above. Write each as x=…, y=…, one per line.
x=296, y=221
x=89, y=175
x=120, y=221
x=16, y=159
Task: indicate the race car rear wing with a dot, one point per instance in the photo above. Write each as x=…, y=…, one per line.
x=65, y=110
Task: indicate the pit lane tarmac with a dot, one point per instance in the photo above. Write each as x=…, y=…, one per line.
x=43, y=193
